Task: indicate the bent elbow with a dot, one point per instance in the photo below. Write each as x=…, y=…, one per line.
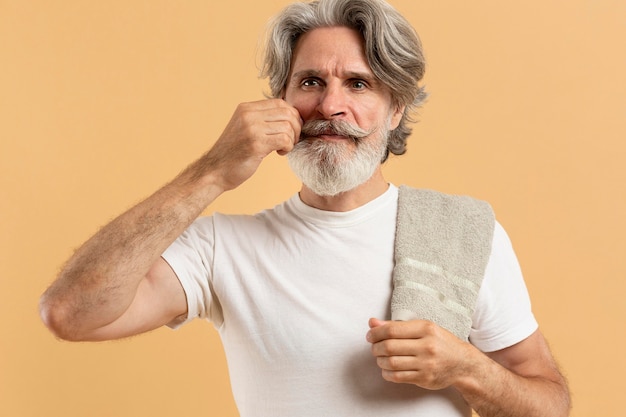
x=55, y=316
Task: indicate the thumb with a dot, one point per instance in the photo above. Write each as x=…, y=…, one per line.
x=374, y=322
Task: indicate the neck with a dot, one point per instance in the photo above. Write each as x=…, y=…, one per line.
x=349, y=200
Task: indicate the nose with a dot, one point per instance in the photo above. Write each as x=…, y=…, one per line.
x=332, y=103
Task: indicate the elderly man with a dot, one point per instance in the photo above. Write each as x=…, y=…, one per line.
x=301, y=293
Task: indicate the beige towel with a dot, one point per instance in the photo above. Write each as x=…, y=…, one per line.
x=442, y=246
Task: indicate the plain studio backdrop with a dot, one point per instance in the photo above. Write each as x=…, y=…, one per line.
x=103, y=102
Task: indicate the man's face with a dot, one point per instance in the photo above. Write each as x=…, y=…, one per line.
x=330, y=80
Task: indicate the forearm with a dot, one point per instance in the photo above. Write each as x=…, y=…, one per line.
x=494, y=391
x=99, y=282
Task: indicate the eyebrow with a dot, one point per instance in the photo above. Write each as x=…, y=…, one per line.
x=350, y=75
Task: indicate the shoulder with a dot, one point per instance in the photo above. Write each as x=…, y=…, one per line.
x=443, y=202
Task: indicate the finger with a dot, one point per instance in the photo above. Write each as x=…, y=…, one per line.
x=396, y=347
x=288, y=136
x=283, y=137
x=401, y=377
x=397, y=363
x=274, y=122
x=280, y=110
x=296, y=125
x=374, y=322
x=268, y=111
x=413, y=329
x=267, y=104
x=283, y=125
x=294, y=118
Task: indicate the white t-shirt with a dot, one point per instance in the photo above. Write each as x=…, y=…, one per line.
x=291, y=290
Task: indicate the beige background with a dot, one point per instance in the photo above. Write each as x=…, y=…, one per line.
x=101, y=102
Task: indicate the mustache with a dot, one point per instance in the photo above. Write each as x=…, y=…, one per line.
x=314, y=128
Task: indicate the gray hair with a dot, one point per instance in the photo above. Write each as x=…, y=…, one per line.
x=392, y=47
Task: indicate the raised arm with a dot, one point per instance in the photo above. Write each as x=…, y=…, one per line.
x=116, y=284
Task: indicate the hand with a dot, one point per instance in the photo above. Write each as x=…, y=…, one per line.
x=254, y=131
x=418, y=352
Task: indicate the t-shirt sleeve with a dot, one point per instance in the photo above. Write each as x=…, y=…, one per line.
x=191, y=258
x=503, y=315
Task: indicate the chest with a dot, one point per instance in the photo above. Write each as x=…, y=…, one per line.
x=323, y=283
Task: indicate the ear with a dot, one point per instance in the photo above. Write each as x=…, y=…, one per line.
x=396, y=116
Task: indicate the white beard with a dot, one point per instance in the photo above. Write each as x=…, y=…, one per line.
x=330, y=168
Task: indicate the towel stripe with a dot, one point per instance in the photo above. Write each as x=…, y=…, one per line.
x=447, y=302
x=437, y=270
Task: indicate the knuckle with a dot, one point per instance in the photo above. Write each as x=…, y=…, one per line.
x=285, y=126
x=394, y=362
x=295, y=112
x=397, y=377
x=285, y=138
x=394, y=332
x=430, y=348
x=378, y=349
x=430, y=327
x=385, y=348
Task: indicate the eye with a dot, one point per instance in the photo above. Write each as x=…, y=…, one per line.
x=310, y=82
x=359, y=84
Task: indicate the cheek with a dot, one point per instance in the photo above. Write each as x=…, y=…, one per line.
x=306, y=108
x=373, y=115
